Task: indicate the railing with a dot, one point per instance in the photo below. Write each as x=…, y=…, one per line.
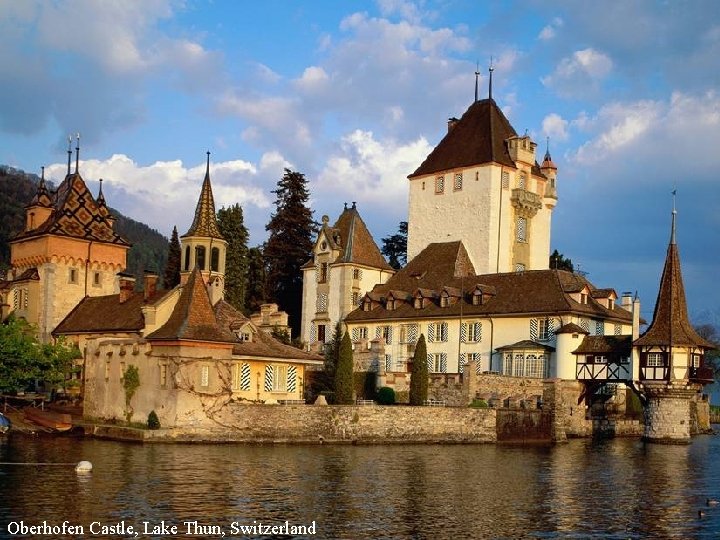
x=364, y=402
x=291, y=401
x=435, y=403
x=654, y=373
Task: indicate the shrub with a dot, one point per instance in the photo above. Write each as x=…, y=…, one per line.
x=153, y=421
x=419, y=374
x=386, y=396
x=479, y=404
x=344, y=373
x=365, y=383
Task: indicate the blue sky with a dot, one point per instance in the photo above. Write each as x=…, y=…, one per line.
x=355, y=94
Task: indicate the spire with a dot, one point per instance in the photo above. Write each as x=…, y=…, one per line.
x=477, y=74
x=205, y=221
x=671, y=325
x=547, y=149
x=69, y=152
x=547, y=160
x=674, y=215
x=77, y=153
x=490, y=69
x=42, y=196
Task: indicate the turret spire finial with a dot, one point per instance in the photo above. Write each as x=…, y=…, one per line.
x=77, y=153
x=69, y=151
x=42, y=174
x=477, y=74
x=207, y=168
x=490, y=69
x=674, y=215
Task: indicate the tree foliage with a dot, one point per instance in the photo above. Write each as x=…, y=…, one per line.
x=712, y=357
x=232, y=227
x=171, y=277
x=289, y=245
x=256, y=280
x=24, y=360
x=395, y=247
x=559, y=262
x=419, y=374
x=344, y=373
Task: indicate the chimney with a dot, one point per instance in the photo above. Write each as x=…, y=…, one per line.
x=150, y=284
x=127, y=286
x=451, y=123
x=627, y=300
x=636, y=317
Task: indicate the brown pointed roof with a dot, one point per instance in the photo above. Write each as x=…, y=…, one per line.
x=620, y=345
x=42, y=196
x=670, y=325
x=205, y=221
x=193, y=317
x=356, y=243
x=76, y=214
x=478, y=137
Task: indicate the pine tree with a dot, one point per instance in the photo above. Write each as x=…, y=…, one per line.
x=395, y=247
x=232, y=227
x=172, y=267
x=344, y=373
x=559, y=262
x=289, y=245
x=256, y=280
x=419, y=374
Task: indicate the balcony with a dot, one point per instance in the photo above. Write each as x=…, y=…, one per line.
x=526, y=202
x=702, y=375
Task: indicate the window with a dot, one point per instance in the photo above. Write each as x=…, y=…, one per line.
x=440, y=184
x=598, y=359
x=444, y=301
x=544, y=333
x=437, y=363
x=384, y=333
x=418, y=302
x=321, y=333
x=163, y=374
x=474, y=332
x=408, y=333
x=96, y=279
x=618, y=329
x=655, y=360
x=244, y=336
x=357, y=274
x=505, y=180
x=280, y=379
x=457, y=184
x=72, y=275
x=437, y=332
x=599, y=328
x=696, y=360
x=585, y=324
x=355, y=299
x=215, y=259
x=583, y=298
x=321, y=304
x=107, y=370
x=187, y=258
x=390, y=304
x=388, y=362
x=521, y=229
x=519, y=267
x=522, y=181
x=361, y=332
x=323, y=273
x=205, y=376
x=200, y=257
x=25, y=296
x=477, y=298
x=611, y=304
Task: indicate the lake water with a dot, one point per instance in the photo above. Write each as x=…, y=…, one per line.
x=618, y=488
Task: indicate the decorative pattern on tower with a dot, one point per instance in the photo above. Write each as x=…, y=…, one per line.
x=205, y=222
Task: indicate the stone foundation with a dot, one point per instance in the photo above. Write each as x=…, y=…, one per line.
x=668, y=411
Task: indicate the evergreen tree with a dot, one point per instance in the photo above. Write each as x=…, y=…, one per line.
x=344, y=373
x=419, y=374
x=559, y=262
x=232, y=227
x=289, y=245
x=256, y=278
x=395, y=247
x=172, y=267
x=332, y=353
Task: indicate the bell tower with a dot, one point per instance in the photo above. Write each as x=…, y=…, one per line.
x=203, y=246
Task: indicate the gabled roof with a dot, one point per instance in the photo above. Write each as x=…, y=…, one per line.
x=75, y=214
x=620, y=345
x=356, y=244
x=670, y=325
x=205, y=220
x=193, y=317
x=537, y=292
x=526, y=344
x=263, y=345
x=571, y=328
x=98, y=314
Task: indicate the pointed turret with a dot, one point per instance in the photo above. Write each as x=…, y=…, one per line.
x=203, y=246
x=40, y=207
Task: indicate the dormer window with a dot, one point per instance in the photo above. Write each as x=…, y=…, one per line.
x=367, y=304
x=419, y=302
x=583, y=298
x=244, y=337
x=444, y=301
x=611, y=304
x=323, y=245
x=477, y=299
x=390, y=304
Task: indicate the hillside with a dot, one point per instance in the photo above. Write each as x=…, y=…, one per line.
x=149, y=247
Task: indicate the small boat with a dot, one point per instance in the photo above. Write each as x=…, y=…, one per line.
x=49, y=419
x=4, y=423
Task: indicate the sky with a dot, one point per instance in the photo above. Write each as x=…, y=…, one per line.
x=355, y=94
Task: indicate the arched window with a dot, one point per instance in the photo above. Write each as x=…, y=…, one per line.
x=215, y=259
x=200, y=257
x=187, y=258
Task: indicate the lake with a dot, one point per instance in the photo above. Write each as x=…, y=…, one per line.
x=621, y=488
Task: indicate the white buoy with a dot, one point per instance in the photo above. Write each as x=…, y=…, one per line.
x=83, y=467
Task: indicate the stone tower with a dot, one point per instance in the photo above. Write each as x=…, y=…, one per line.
x=482, y=185
x=203, y=245
x=345, y=264
x=68, y=250
x=672, y=357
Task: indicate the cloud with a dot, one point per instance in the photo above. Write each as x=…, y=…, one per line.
x=555, y=126
x=550, y=31
x=579, y=73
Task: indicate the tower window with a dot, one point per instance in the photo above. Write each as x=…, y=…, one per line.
x=457, y=184
x=200, y=257
x=323, y=273
x=187, y=258
x=440, y=184
x=521, y=229
x=519, y=267
x=522, y=182
x=505, y=179
x=215, y=259
x=96, y=279
x=72, y=275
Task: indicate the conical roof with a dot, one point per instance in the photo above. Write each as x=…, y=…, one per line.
x=670, y=325
x=357, y=244
x=205, y=221
x=42, y=195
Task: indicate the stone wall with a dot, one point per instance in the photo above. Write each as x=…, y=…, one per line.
x=342, y=424
x=498, y=389
x=447, y=387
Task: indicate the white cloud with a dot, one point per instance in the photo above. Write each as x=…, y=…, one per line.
x=313, y=79
x=550, y=31
x=555, y=126
x=580, y=73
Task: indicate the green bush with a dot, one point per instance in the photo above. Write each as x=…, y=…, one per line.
x=153, y=421
x=419, y=374
x=479, y=404
x=386, y=396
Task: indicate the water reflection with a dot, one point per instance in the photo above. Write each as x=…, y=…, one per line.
x=584, y=489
